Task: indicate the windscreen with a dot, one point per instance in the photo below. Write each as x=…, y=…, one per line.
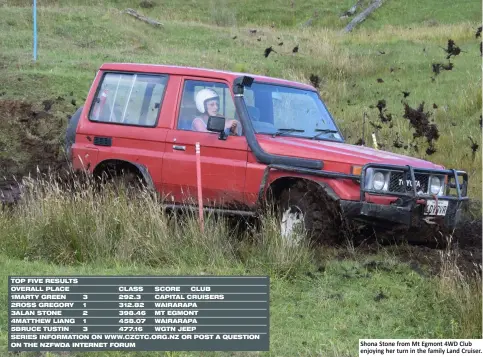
x=289, y=111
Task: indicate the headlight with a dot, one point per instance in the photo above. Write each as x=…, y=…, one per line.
x=435, y=185
x=378, y=181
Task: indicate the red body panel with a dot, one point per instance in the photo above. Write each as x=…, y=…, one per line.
x=223, y=167
x=230, y=172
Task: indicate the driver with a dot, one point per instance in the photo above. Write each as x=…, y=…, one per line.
x=208, y=103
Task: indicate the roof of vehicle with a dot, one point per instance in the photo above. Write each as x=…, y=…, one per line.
x=198, y=72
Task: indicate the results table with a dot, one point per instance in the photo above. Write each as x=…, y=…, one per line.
x=142, y=313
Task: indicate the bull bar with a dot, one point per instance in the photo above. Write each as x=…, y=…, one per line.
x=413, y=194
x=406, y=210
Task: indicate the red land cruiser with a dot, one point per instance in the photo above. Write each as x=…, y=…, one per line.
x=144, y=120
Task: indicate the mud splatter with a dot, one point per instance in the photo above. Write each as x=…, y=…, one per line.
x=268, y=51
x=36, y=133
x=452, y=49
x=380, y=296
x=474, y=147
x=397, y=143
x=430, y=150
x=47, y=104
x=419, y=120
x=315, y=80
x=383, y=115
x=437, y=67
x=448, y=67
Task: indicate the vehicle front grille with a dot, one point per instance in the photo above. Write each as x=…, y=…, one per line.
x=397, y=184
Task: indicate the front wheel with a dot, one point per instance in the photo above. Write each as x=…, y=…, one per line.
x=305, y=210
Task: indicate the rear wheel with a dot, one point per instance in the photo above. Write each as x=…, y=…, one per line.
x=305, y=210
x=123, y=181
x=70, y=132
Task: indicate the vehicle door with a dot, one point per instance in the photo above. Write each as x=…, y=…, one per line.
x=223, y=162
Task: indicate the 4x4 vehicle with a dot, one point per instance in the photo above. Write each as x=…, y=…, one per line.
x=288, y=150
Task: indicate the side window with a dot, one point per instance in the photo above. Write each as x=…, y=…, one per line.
x=131, y=99
x=201, y=99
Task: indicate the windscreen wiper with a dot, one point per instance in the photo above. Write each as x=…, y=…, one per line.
x=286, y=131
x=324, y=131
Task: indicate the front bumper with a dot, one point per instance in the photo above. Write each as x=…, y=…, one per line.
x=391, y=215
x=407, y=208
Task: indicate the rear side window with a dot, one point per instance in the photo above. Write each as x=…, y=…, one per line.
x=129, y=98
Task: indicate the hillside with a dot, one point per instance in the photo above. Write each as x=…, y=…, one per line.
x=75, y=40
x=322, y=301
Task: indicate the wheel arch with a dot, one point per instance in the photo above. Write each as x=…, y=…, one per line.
x=277, y=186
x=118, y=166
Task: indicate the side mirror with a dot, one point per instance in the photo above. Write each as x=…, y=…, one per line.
x=217, y=124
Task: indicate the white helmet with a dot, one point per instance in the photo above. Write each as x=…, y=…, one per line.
x=202, y=96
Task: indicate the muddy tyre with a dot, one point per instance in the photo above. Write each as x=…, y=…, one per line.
x=121, y=181
x=70, y=132
x=307, y=209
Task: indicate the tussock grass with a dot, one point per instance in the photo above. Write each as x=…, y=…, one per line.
x=85, y=222
x=464, y=291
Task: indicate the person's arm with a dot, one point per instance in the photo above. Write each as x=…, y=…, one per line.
x=199, y=125
x=232, y=126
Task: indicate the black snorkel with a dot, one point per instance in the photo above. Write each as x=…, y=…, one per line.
x=262, y=156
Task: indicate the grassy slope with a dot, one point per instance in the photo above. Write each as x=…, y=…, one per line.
x=324, y=316
x=282, y=13
x=75, y=40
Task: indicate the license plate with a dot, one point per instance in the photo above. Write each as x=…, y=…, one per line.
x=430, y=209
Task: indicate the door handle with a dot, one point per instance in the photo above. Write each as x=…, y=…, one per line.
x=179, y=147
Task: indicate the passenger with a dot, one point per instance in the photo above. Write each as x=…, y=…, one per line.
x=208, y=103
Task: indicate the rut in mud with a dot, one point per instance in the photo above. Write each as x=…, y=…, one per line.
x=465, y=247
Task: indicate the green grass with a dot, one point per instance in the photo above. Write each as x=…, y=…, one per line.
x=319, y=303
x=326, y=315
x=56, y=236
x=281, y=13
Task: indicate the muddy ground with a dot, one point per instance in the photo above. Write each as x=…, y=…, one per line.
x=31, y=138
